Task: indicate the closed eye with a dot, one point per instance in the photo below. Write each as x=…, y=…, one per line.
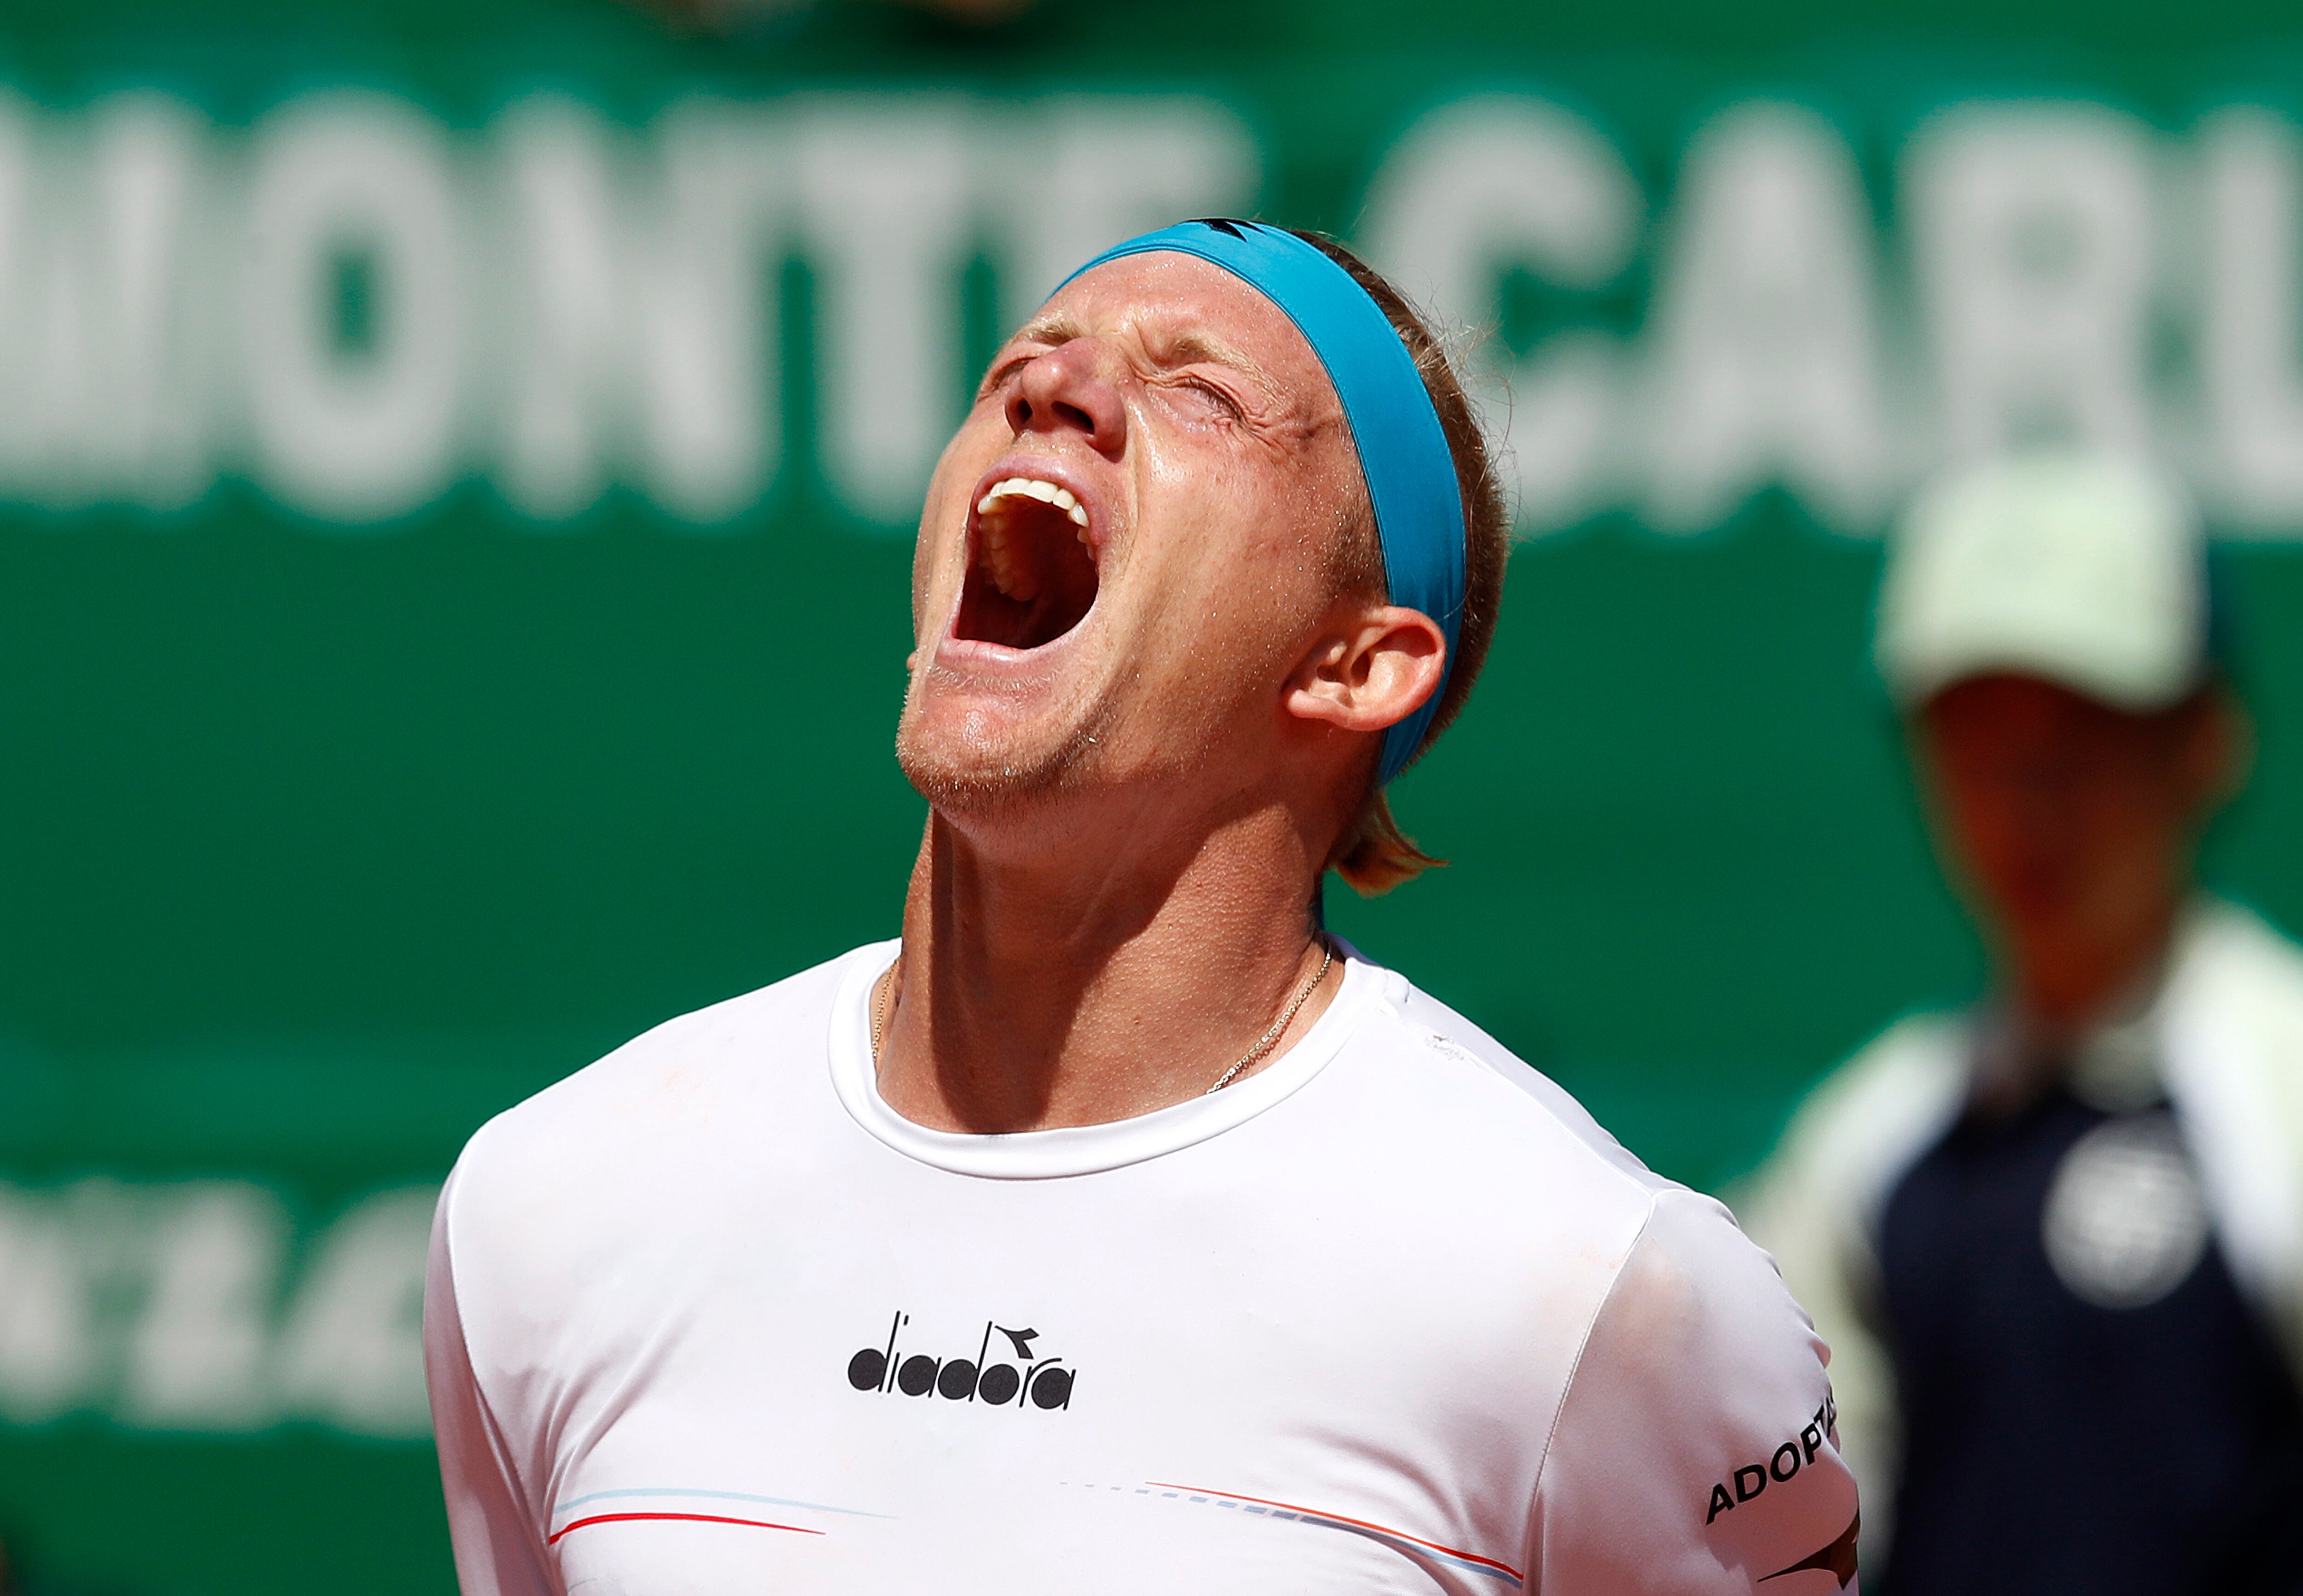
x=1004, y=373
x=1223, y=399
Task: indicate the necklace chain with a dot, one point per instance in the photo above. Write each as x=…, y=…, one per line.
x=1263, y=1044
x=880, y=1013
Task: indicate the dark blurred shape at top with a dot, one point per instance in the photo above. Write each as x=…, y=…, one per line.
x=17, y=1579
x=736, y=16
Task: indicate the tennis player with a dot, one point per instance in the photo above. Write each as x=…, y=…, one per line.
x=1116, y=1231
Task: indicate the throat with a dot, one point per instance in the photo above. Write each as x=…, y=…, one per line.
x=983, y=1037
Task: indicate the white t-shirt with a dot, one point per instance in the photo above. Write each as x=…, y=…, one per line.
x=1391, y=1315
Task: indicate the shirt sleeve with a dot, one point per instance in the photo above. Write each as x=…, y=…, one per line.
x=1696, y=1452
x=498, y=1550
x=1815, y=1208
x=1812, y=1225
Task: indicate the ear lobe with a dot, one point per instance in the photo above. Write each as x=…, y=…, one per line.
x=1372, y=672
x=2229, y=755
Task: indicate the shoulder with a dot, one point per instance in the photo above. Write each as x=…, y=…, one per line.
x=1697, y=1450
x=1697, y=1306
x=1499, y=1118
x=1916, y=1067
x=1426, y=1120
x=664, y=1069
x=2233, y=1055
x=2234, y=961
x=650, y=1106
x=1868, y=1121
x=1517, y=1098
x=1651, y=1294
x=1670, y=1264
x=1816, y=1203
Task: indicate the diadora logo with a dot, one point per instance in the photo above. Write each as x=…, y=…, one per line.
x=1034, y=1378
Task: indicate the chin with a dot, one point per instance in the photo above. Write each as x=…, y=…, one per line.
x=975, y=778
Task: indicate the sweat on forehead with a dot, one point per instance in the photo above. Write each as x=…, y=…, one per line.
x=1209, y=317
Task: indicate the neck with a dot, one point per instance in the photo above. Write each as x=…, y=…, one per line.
x=2067, y=985
x=1049, y=985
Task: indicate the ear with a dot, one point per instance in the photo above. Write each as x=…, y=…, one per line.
x=2219, y=755
x=1372, y=667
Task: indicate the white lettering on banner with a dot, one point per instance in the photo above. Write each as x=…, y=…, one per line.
x=710, y=420
x=1762, y=360
x=2032, y=242
x=344, y=182
x=1488, y=184
x=160, y=1305
x=1078, y=175
x=353, y=1349
x=567, y=365
x=96, y=264
x=885, y=196
x=45, y=1334
x=357, y=310
x=639, y=333
x=2253, y=193
x=196, y=1357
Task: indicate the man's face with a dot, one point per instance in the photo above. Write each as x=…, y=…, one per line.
x=1128, y=545
x=2071, y=823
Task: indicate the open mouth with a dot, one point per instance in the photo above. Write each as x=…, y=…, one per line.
x=1032, y=575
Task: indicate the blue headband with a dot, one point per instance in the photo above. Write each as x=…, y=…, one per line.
x=1403, y=455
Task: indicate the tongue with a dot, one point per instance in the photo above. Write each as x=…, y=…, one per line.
x=987, y=616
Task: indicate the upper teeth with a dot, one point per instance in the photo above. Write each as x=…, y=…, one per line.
x=1032, y=487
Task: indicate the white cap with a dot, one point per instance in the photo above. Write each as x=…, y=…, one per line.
x=2086, y=569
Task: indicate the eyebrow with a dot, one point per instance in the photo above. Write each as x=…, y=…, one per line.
x=1047, y=329
x=1180, y=347
x=1173, y=349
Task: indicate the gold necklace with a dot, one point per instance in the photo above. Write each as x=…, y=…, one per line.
x=880, y=1013
x=1263, y=1044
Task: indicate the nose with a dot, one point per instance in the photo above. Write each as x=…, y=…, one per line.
x=1069, y=390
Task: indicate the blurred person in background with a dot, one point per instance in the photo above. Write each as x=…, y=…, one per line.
x=2055, y=1243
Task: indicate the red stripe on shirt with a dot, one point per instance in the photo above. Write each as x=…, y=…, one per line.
x=753, y=1523
x=1469, y=1556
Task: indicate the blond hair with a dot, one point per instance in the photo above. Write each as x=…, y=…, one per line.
x=1372, y=853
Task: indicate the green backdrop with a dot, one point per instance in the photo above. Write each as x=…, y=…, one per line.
x=330, y=825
